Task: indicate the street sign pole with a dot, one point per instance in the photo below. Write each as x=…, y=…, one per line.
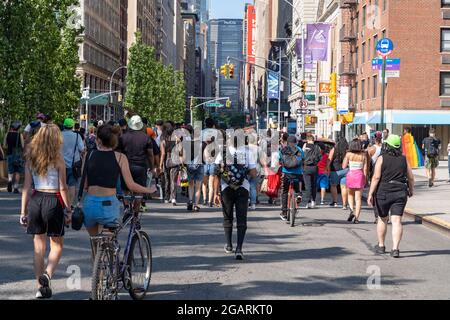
x=303, y=73
x=383, y=80
x=279, y=90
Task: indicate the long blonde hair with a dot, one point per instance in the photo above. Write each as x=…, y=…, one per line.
x=44, y=150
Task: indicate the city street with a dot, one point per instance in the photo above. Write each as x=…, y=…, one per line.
x=323, y=258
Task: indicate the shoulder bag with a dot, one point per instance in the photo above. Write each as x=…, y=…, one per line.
x=78, y=214
x=76, y=166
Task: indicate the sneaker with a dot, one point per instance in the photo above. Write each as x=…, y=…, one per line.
x=9, y=186
x=322, y=203
x=253, y=207
x=351, y=217
x=430, y=183
x=380, y=249
x=333, y=204
x=43, y=293
x=196, y=208
x=239, y=255
x=283, y=217
x=16, y=190
x=166, y=201
x=174, y=202
x=312, y=205
x=210, y=204
x=45, y=282
x=190, y=206
x=345, y=207
x=395, y=253
x=228, y=249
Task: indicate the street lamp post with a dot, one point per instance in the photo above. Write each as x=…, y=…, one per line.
x=110, y=87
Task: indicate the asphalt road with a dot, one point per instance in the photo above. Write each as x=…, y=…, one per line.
x=324, y=257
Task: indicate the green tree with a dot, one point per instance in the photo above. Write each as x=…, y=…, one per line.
x=154, y=90
x=38, y=63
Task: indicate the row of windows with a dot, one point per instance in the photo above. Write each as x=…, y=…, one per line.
x=369, y=49
x=99, y=58
x=101, y=34
x=105, y=12
x=372, y=89
x=97, y=84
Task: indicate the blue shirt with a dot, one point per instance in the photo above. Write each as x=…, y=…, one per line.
x=298, y=170
x=69, y=139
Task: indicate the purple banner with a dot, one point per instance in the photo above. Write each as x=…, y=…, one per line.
x=298, y=51
x=317, y=41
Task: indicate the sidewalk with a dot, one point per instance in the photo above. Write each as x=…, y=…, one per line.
x=431, y=206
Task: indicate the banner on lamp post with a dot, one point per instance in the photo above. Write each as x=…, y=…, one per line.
x=273, y=82
x=317, y=41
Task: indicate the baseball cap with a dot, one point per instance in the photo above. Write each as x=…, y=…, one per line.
x=41, y=116
x=69, y=123
x=394, y=141
x=378, y=134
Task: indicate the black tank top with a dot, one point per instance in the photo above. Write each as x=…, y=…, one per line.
x=393, y=173
x=102, y=169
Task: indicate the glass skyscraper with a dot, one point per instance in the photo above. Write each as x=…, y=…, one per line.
x=225, y=40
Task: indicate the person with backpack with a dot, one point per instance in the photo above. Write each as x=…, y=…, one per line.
x=323, y=181
x=73, y=150
x=431, y=146
x=291, y=159
x=236, y=166
x=167, y=165
x=313, y=155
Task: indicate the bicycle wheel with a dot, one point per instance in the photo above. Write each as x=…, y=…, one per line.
x=140, y=265
x=292, y=210
x=102, y=285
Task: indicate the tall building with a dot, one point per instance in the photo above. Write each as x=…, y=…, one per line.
x=225, y=40
x=142, y=17
x=170, y=21
x=102, y=51
x=190, y=58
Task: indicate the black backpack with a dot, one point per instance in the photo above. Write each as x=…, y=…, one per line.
x=433, y=149
x=234, y=174
x=312, y=155
x=290, y=158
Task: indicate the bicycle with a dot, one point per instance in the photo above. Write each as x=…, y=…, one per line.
x=293, y=203
x=110, y=274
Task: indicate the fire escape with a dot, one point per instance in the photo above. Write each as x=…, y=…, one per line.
x=348, y=38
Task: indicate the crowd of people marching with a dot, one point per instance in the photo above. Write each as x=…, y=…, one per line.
x=167, y=161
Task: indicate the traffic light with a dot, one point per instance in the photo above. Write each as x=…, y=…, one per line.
x=224, y=71
x=228, y=103
x=333, y=91
x=231, y=70
x=303, y=86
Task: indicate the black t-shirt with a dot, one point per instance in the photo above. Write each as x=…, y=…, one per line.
x=134, y=144
x=12, y=141
x=428, y=141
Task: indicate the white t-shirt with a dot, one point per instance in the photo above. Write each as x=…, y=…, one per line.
x=250, y=163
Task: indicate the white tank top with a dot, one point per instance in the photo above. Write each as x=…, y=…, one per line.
x=377, y=154
x=355, y=165
x=48, y=182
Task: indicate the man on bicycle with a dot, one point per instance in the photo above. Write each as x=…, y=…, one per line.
x=291, y=159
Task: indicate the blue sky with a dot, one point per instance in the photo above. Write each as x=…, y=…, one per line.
x=230, y=9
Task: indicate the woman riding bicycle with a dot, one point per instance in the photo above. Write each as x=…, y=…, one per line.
x=104, y=166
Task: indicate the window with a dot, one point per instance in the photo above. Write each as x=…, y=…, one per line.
x=445, y=3
x=375, y=41
x=363, y=91
x=364, y=16
x=445, y=84
x=356, y=58
x=383, y=34
x=356, y=94
x=368, y=49
x=363, y=53
x=368, y=88
x=384, y=5
x=375, y=86
x=445, y=40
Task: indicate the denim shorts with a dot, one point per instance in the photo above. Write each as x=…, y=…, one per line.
x=338, y=177
x=196, y=175
x=12, y=168
x=70, y=179
x=100, y=210
x=210, y=169
x=323, y=181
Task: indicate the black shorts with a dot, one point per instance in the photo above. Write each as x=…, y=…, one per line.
x=393, y=202
x=46, y=214
x=139, y=175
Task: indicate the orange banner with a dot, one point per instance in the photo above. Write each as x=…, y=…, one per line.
x=251, y=37
x=324, y=87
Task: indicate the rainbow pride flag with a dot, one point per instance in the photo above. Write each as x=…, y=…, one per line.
x=412, y=152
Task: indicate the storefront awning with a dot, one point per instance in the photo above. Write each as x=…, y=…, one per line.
x=421, y=118
x=359, y=120
x=375, y=119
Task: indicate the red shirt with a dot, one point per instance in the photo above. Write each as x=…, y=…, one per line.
x=322, y=165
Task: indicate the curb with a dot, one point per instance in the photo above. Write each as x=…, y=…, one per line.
x=429, y=221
